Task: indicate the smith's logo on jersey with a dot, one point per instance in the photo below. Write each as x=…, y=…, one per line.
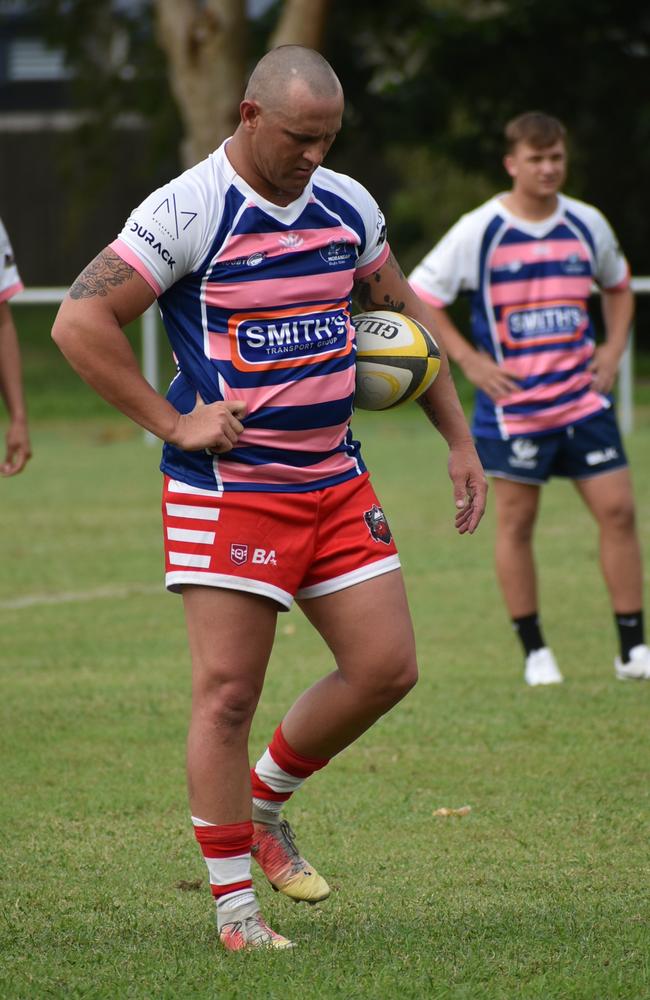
x=292, y=337
x=155, y=244
x=544, y=323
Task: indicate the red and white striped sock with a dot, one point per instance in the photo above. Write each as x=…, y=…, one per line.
x=227, y=853
x=280, y=772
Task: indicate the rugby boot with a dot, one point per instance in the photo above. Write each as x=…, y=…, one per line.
x=245, y=928
x=274, y=849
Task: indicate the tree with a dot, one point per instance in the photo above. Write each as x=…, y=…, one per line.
x=207, y=46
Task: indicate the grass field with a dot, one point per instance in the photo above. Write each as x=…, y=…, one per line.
x=541, y=892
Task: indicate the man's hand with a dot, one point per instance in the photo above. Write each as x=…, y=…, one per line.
x=486, y=374
x=604, y=368
x=470, y=487
x=215, y=427
x=19, y=450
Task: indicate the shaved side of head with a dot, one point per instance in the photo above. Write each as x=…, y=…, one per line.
x=279, y=68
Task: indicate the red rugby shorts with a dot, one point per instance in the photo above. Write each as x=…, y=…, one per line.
x=279, y=545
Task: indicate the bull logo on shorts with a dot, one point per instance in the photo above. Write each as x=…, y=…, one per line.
x=238, y=553
x=378, y=525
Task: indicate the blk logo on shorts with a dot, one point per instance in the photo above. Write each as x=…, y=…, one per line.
x=238, y=553
x=601, y=455
x=378, y=525
x=523, y=453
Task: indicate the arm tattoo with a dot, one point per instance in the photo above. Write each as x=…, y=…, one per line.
x=428, y=409
x=106, y=271
x=370, y=298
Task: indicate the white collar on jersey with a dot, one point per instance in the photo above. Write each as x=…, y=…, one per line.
x=536, y=227
x=287, y=214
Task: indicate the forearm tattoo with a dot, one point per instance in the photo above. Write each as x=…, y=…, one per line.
x=429, y=410
x=368, y=291
x=106, y=271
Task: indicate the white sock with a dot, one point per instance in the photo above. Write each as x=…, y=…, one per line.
x=269, y=806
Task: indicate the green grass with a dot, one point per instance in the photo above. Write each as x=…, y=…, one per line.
x=539, y=893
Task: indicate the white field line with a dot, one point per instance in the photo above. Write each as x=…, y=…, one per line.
x=71, y=597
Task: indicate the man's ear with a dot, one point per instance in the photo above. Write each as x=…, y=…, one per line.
x=249, y=112
x=509, y=164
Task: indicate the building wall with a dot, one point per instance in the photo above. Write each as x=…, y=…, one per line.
x=60, y=214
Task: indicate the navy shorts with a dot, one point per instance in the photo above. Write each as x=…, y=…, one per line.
x=578, y=451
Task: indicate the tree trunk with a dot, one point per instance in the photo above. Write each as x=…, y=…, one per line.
x=301, y=22
x=205, y=45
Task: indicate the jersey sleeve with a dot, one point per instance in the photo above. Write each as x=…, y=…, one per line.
x=10, y=283
x=450, y=267
x=376, y=249
x=167, y=236
x=612, y=270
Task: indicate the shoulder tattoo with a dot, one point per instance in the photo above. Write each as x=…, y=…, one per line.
x=106, y=271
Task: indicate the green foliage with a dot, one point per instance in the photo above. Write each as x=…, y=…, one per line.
x=449, y=76
x=429, y=86
x=538, y=893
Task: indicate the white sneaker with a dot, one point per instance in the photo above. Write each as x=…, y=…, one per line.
x=637, y=667
x=541, y=668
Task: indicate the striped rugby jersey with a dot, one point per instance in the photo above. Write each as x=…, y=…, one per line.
x=528, y=284
x=10, y=283
x=255, y=299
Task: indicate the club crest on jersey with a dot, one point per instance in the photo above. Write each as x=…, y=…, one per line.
x=378, y=525
x=238, y=553
x=339, y=252
x=575, y=264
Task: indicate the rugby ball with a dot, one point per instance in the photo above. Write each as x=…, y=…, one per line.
x=397, y=360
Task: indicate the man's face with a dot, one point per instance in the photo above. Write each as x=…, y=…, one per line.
x=537, y=172
x=289, y=141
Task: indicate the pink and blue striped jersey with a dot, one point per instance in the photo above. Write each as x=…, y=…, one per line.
x=10, y=283
x=255, y=299
x=529, y=284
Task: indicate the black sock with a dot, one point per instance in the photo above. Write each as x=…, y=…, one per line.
x=529, y=632
x=630, y=632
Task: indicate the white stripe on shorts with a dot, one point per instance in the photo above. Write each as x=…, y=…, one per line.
x=176, y=579
x=189, y=559
x=194, y=513
x=174, y=486
x=366, y=572
x=188, y=535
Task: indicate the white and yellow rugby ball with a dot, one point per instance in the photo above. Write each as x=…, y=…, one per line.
x=397, y=360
